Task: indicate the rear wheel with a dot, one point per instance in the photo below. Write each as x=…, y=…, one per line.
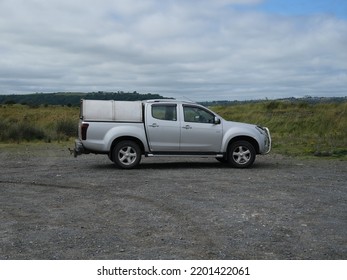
x=241, y=154
x=127, y=154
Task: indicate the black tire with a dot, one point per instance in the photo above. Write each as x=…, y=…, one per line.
x=222, y=159
x=127, y=154
x=241, y=154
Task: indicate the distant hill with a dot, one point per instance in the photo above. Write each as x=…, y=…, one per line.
x=306, y=99
x=73, y=98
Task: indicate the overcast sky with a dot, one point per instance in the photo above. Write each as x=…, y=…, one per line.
x=198, y=49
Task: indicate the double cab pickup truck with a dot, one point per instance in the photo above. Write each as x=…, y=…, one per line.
x=128, y=130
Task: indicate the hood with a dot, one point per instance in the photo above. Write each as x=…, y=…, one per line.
x=231, y=124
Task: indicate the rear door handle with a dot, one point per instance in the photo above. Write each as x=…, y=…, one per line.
x=187, y=127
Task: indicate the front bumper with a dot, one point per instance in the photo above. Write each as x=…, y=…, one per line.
x=268, y=141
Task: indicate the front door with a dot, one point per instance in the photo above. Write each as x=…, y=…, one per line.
x=199, y=133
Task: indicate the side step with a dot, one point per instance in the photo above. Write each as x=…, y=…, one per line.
x=184, y=155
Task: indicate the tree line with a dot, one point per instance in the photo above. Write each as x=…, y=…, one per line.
x=73, y=98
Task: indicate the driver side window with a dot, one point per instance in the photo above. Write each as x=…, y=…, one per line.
x=195, y=114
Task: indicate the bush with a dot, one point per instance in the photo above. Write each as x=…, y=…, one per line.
x=3, y=129
x=24, y=131
x=66, y=127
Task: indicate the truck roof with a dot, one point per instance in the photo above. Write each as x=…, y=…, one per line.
x=168, y=101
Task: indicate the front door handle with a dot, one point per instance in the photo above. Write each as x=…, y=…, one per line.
x=154, y=125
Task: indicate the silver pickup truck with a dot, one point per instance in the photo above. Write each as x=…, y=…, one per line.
x=127, y=130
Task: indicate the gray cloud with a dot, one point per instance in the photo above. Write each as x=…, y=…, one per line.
x=204, y=50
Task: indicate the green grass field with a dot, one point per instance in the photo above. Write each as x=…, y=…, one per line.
x=297, y=129
x=20, y=123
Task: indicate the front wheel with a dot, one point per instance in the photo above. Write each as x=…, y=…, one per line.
x=127, y=154
x=241, y=154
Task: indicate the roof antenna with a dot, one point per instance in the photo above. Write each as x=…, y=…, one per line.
x=189, y=99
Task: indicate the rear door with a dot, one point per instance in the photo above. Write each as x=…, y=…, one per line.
x=163, y=127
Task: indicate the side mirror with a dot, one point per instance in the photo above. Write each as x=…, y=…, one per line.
x=216, y=120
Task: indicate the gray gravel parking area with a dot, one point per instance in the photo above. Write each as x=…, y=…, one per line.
x=55, y=206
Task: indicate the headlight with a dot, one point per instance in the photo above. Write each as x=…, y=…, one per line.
x=262, y=130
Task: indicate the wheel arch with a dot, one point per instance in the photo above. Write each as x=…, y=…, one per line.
x=249, y=139
x=126, y=138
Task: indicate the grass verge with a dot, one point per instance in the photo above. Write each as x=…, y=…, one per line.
x=297, y=129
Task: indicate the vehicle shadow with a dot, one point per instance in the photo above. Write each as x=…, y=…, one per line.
x=166, y=165
x=182, y=164
x=200, y=165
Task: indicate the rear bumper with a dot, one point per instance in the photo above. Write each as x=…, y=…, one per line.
x=79, y=148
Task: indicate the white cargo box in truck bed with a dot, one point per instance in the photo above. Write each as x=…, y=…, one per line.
x=111, y=110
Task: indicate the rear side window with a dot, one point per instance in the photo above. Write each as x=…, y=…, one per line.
x=164, y=112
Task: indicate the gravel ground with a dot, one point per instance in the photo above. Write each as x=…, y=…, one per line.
x=55, y=206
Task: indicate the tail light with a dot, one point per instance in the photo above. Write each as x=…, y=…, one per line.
x=84, y=128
